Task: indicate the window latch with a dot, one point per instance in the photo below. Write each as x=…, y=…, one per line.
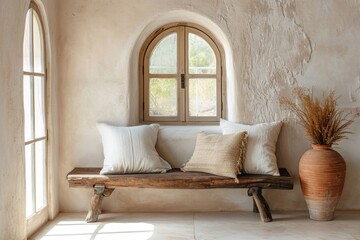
x=182, y=80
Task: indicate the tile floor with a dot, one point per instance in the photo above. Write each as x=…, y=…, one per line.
x=201, y=226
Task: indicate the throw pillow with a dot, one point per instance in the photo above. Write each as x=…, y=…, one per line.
x=217, y=154
x=260, y=152
x=131, y=149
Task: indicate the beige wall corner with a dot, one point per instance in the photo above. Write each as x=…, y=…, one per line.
x=12, y=172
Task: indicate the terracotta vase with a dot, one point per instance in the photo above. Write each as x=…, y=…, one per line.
x=322, y=175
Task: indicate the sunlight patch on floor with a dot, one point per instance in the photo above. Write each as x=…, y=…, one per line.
x=97, y=231
x=201, y=226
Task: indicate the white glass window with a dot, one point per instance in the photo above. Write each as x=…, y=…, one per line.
x=34, y=113
x=181, y=77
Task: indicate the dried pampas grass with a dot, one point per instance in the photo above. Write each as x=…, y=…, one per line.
x=323, y=122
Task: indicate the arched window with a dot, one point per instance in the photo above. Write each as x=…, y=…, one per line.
x=34, y=82
x=181, y=76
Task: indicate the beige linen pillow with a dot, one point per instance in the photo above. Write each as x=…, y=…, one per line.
x=218, y=154
x=260, y=150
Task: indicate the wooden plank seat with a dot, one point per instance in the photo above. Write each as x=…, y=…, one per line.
x=104, y=185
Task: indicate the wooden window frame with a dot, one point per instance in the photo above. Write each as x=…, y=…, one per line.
x=41, y=214
x=182, y=118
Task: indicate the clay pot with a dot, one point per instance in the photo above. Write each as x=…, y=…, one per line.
x=322, y=175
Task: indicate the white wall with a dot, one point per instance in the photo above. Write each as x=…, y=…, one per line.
x=12, y=173
x=275, y=45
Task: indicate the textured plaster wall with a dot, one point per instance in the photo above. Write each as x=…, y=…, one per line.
x=11, y=157
x=271, y=46
x=12, y=173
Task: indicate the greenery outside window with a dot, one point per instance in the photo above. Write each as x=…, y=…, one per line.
x=181, y=76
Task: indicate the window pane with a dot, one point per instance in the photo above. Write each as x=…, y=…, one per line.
x=29, y=178
x=39, y=107
x=27, y=43
x=202, y=97
x=163, y=58
x=40, y=174
x=28, y=111
x=38, y=45
x=202, y=58
x=163, y=97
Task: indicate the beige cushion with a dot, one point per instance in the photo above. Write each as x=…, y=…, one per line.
x=176, y=144
x=218, y=154
x=260, y=151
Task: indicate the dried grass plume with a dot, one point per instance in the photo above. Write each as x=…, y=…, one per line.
x=323, y=122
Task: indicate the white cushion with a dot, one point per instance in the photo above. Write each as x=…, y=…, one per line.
x=176, y=144
x=260, y=152
x=131, y=149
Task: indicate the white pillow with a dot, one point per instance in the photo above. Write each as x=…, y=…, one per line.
x=131, y=149
x=260, y=152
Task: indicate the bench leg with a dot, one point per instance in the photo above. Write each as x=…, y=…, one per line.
x=255, y=209
x=100, y=191
x=106, y=193
x=261, y=204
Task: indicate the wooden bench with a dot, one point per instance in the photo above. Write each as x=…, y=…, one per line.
x=104, y=185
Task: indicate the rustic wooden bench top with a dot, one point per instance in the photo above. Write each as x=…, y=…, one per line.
x=104, y=185
x=176, y=179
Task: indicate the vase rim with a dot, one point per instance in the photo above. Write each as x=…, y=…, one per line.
x=320, y=147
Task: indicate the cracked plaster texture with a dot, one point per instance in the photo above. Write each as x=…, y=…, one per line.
x=274, y=46
x=270, y=46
